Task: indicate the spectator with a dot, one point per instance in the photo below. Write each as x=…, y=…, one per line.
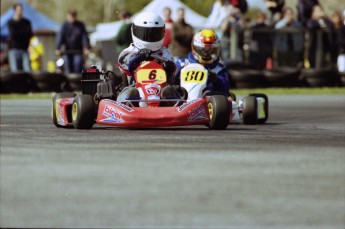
x=124, y=37
x=220, y=10
x=36, y=51
x=261, y=44
x=341, y=46
x=73, y=36
x=233, y=20
x=241, y=5
x=168, y=24
x=182, y=36
x=275, y=7
x=289, y=44
x=337, y=21
x=305, y=8
x=319, y=21
x=19, y=39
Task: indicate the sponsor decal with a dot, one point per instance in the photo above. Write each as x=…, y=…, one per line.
x=112, y=114
x=59, y=113
x=153, y=97
x=152, y=89
x=121, y=105
x=185, y=105
x=197, y=113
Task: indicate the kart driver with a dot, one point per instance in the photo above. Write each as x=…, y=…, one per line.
x=148, y=31
x=205, y=51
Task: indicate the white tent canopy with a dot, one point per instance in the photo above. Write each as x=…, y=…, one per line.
x=108, y=31
x=192, y=17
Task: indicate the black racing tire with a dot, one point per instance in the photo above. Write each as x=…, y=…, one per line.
x=49, y=82
x=249, y=112
x=16, y=82
x=219, y=110
x=83, y=112
x=321, y=77
x=266, y=107
x=56, y=97
x=282, y=77
x=247, y=78
x=342, y=78
x=182, y=92
x=74, y=81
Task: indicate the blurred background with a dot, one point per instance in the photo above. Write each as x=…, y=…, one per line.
x=264, y=42
x=93, y=12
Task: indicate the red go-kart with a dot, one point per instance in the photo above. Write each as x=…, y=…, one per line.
x=97, y=103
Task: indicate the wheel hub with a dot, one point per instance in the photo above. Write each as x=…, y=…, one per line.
x=74, y=111
x=210, y=109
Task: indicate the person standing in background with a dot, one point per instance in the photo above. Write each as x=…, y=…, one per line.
x=305, y=8
x=19, y=39
x=73, y=36
x=168, y=24
x=181, y=36
x=275, y=7
x=319, y=23
x=234, y=20
x=341, y=45
x=124, y=37
x=261, y=44
x=337, y=21
x=289, y=45
x=220, y=10
x=36, y=51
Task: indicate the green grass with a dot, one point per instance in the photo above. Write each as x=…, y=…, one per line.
x=240, y=92
x=27, y=96
x=292, y=91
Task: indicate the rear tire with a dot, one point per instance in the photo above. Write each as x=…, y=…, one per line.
x=249, y=113
x=266, y=105
x=83, y=112
x=54, y=110
x=219, y=109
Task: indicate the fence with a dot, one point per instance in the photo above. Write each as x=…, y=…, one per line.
x=314, y=49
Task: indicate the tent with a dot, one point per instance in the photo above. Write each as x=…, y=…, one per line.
x=108, y=31
x=193, y=18
x=39, y=22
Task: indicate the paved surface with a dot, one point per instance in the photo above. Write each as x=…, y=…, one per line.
x=289, y=173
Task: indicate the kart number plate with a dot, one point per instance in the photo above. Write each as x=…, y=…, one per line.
x=146, y=76
x=194, y=76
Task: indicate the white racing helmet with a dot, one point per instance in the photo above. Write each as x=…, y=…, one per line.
x=148, y=31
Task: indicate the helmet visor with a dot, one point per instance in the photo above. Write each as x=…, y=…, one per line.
x=207, y=53
x=148, y=34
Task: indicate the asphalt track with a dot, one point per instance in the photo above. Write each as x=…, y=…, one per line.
x=289, y=173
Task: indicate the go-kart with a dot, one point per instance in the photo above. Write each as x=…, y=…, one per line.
x=190, y=106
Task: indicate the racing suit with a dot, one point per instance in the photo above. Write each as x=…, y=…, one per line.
x=130, y=59
x=218, y=75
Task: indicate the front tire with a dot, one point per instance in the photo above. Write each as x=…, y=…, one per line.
x=83, y=112
x=219, y=110
x=55, y=98
x=265, y=106
x=250, y=113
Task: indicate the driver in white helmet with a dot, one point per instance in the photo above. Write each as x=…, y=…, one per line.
x=148, y=31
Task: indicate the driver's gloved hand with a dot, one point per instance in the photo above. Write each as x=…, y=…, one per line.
x=144, y=53
x=212, y=77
